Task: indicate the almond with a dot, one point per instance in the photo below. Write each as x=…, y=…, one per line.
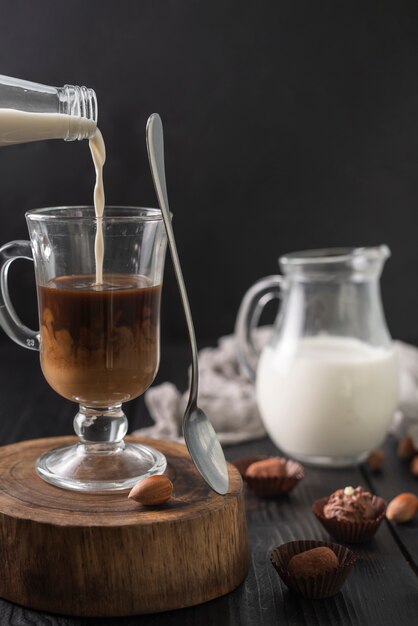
x=406, y=448
x=152, y=490
x=414, y=465
x=375, y=460
x=402, y=508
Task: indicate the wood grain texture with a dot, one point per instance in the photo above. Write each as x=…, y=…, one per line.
x=382, y=588
x=104, y=554
x=395, y=478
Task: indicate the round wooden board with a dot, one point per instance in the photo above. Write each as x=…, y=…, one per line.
x=106, y=555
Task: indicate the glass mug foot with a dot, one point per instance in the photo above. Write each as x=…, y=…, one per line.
x=94, y=468
x=101, y=461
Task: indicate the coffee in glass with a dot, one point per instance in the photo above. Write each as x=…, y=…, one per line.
x=99, y=343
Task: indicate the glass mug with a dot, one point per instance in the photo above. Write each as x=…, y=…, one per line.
x=99, y=344
x=326, y=382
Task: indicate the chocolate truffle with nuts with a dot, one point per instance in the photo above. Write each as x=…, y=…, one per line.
x=350, y=514
x=350, y=505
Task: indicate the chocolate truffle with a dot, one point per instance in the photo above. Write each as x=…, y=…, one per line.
x=350, y=505
x=267, y=468
x=272, y=476
x=315, y=569
x=313, y=562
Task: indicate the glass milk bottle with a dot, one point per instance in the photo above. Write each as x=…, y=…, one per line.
x=34, y=112
x=326, y=383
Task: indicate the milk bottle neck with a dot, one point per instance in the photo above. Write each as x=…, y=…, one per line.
x=79, y=103
x=32, y=111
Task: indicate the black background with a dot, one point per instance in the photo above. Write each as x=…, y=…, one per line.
x=288, y=125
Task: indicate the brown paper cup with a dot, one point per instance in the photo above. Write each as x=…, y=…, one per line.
x=275, y=486
x=351, y=532
x=323, y=585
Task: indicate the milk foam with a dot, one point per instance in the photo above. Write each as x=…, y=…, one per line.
x=327, y=396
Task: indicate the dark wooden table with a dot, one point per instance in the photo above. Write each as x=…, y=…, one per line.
x=381, y=591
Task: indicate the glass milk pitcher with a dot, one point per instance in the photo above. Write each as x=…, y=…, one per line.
x=326, y=382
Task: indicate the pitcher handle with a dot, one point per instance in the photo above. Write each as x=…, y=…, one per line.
x=9, y=320
x=249, y=313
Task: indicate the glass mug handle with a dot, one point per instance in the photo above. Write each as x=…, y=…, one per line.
x=249, y=313
x=9, y=320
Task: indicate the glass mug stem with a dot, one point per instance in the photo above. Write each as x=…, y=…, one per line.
x=98, y=346
x=101, y=429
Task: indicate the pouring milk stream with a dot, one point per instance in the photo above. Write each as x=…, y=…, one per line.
x=33, y=112
x=98, y=153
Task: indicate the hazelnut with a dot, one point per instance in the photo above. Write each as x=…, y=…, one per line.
x=273, y=467
x=414, y=465
x=406, y=448
x=402, y=508
x=152, y=490
x=375, y=460
x=313, y=562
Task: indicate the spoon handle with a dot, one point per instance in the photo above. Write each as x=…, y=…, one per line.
x=155, y=147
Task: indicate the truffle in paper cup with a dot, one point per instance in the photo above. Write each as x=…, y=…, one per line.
x=272, y=486
x=350, y=531
x=322, y=585
x=244, y=462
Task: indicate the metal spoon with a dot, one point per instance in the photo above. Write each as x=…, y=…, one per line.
x=200, y=437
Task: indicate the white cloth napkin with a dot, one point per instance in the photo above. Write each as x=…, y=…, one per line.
x=228, y=397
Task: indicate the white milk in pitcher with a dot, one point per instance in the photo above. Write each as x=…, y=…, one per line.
x=327, y=396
